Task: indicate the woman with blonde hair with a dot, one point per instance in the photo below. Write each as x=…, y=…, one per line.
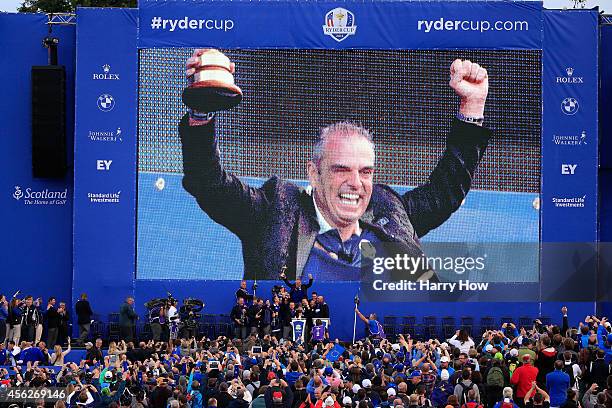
x=57, y=357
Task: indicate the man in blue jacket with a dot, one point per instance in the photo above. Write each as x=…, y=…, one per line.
x=557, y=383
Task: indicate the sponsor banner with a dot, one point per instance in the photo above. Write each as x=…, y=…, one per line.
x=383, y=24
x=569, y=143
x=569, y=155
x=105, y=151
x=37, y=196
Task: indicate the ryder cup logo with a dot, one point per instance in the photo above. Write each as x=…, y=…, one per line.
x=569, y=106
x=17, y=194
x=339, y=24
x=106, y=102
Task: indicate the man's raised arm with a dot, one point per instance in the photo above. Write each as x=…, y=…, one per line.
x=225, y=198
x=432, y=203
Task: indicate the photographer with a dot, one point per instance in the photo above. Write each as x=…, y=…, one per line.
x=189, y=315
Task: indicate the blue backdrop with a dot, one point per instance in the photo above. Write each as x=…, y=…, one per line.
x=37, y=242
x=36, y=239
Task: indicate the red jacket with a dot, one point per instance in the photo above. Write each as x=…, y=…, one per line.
x=523, y=377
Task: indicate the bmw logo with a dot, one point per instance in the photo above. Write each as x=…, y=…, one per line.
x=569, y=106
x=106, y=102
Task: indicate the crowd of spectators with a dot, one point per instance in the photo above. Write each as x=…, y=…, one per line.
x=538, y=366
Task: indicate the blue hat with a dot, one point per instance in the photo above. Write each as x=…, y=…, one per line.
x=415, y=373
x=399, y=367
x=610, y=338
x=387, y=355
x=328, y=371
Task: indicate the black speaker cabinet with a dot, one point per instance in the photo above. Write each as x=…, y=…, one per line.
x=49, y=121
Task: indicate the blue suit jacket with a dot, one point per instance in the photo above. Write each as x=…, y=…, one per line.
x=277, y=223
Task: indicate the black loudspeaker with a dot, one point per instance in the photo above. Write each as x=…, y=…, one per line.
x=49, y=121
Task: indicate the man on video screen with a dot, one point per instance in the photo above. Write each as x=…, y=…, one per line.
x=320, y=230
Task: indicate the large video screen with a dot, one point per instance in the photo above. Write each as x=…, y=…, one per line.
x=403, y=98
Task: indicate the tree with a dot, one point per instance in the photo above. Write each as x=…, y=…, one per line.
x=67, y=6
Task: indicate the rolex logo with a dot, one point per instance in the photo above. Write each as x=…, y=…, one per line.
x=106, y=74
x=569, y=78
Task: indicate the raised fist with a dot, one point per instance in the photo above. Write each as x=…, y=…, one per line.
x=471, y=82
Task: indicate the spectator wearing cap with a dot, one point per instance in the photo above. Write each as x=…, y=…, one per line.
x=442, y=390
x=347, y=402
x=415, y=381
x=328, y=400
x=506, y=401
x=391, y=396
x=523, y=377
x=445, y=365
x=370, y=393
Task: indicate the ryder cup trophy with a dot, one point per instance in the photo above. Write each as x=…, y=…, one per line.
x=211, y=88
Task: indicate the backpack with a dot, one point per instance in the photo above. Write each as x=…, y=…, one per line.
x=472, y=404
x=569, y=369
x=464, y=392
x=495, y=377
x=506, y=404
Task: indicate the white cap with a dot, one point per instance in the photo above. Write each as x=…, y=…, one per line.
x=391, y=392
x=329, y=401
x=514, y=352
x=444, y=359
x=356, y=388
x=366, y=383
x=347, y=400
x=489, y=347
x=444, y=375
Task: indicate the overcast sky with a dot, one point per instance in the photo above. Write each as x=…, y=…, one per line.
x=11, y=5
